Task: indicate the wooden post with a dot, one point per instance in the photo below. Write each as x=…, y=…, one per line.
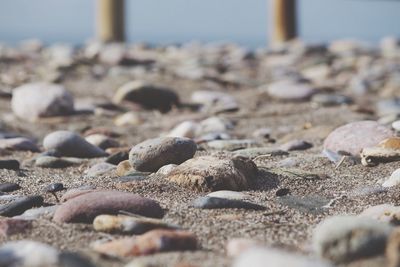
x=284, y=26
x=110, y=20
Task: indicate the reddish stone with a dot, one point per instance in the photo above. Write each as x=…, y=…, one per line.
x=10, y=226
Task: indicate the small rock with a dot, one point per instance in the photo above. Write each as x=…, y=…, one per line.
x=282, y=192
x=215, y=102
x=214, y=125
x=19, y=206
x=124, y=168
x=353, y=137
x=10, y=164
x=118, y=157
x=84, y=208
x=224, y=203
x=296, y=145
x=147, y=95
x=54, y=187
x=9, y=187
x=186, y=129
x=385, y=213
x=372, y=156
x=152, y=154
x=393, y=180
x=228, y=195
x=261, y=257
x=151, y=242
x=287, y=163
x=236, y=246
x=128, y=118
x=70, y=259
x=26, y=253
x=70, y=144
x=396, y=126
x=100, y=169
x=35, y=213
x=128, y=225
x=212, y=173
x=390, y=143
x=102, y=141
x=10, y=226
x=19, y=144
x=330, y=100
x=347, y=238
x=167, y=169
x=36, y=100
x=290, y=91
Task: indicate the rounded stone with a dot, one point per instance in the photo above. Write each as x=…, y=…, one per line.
x=353, y=137
x=36, y=100
x=84, y=208
x=152, y=154
x=208, y=173
x=290, y=91
x=70, y=144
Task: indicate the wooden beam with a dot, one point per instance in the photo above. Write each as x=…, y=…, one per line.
x=110, y=20
x=284, y=21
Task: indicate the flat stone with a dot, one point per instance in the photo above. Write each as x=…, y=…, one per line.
x=69, y=144
x=308, y=204
x=26, y=253
x=353, y=137
x=123, y=224
x=394, y=179
x=347, y=238
x=208, y=173
x=99, y=169
x=152, y=154
x=102, y=141
x=20, y=205
x=19, y=144
x=224, y=203
x=296, y=144
x=330, y=99
x=147, y=95
x=9, y=187
x=55, y=162
x=9, y=164
x=84, y=208
x=36, y=100
x=290, y=91
x=261, y=257
x=227, y=194
x=71, y=259
x=118, y=157
x=186, y=129
x=154, y=241
x=254, y=152
x=390, y=143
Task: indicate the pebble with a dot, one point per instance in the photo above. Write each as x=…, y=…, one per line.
x=102, y=141
x=99, y=169
x=390, y=143
x=54, y=187
x=55, y=162
x=282, y=192
x=254, y=152
x=372, y=156
x=394, y=179
x=122, y=224
x=123, y=168
x=36, y=100
x=227, y=194
x=10, y=226
x=147, y=95
x=75, y=192
x=69, y=144
x=214, y=125
x=167, y=169
x=208, y=173
x=224, y=203
x=154, y=241
x=396, y=126
x=231, y=145
x=307, y=204
x=186, y=129
x=236, y=246
x=84, y=208
x=288, y=162
x=261, y=257
x=290, y=91
x=215, y=102
x=9, y=164
x=9, y=187
x=386, y=213
x=353, y=137
x=347, y=238
x=71, y=259
x=20, y=205
x=330, y=99
x=19, y=144
x=128, y=119
x=35, y=213
x=118, y=157
x=26, y=253
x=296, y=144
x=152, y=154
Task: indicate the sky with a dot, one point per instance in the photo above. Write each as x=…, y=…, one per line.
x=166, y=21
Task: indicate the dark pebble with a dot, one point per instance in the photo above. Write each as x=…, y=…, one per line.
x=55, y=187
x=19, y=206
x=9, y=187
x=224, y=203
x=10, y=164
x=117, y=157
x=282, y=192
x=70, y=259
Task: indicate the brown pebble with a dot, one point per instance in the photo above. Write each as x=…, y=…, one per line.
x=9, y=226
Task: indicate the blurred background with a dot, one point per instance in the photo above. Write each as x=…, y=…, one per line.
x=178, y=21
